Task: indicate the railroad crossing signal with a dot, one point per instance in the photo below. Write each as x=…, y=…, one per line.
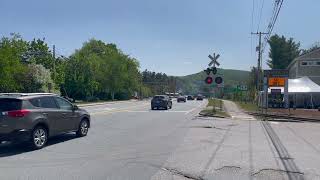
x=209, y=70
x=214, y=60
x=208, y=80
x=218, y=80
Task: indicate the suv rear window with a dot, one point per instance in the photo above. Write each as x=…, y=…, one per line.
x=10, y=104
x=43, y=102
x=158, y=97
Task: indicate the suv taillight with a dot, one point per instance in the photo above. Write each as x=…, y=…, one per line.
x=18, y=113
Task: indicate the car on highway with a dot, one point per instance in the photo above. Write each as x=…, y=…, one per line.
x=199, y=97
x=189, y=97
x=181, y=99
x=161, y=101
x=35, y=117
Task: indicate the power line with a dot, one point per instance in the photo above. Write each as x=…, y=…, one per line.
x=274, y=17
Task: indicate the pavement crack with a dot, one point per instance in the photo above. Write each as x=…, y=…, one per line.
x=210, y=127
x=228, y=167
x=277, y=170
x=182, y=174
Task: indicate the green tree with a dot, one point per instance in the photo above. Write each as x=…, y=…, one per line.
x=100, y=70
x=282, y=51
x=12, y=70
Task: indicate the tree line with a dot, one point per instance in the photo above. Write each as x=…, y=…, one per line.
x=96, y=71
x=159, y=83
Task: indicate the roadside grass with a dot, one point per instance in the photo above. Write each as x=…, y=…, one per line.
x=248, y=106
x=90, y=102
x=214, y=108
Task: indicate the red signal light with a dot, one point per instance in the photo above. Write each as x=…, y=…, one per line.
x=208, y=80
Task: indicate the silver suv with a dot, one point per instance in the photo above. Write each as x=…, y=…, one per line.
x=36, y=117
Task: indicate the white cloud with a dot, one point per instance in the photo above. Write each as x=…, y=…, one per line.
x=187, y=62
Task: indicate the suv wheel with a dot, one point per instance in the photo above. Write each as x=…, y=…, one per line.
x=39, y=137
x=83, y=128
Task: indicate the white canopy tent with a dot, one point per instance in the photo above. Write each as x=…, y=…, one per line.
x=302, y=92
x=300, y=85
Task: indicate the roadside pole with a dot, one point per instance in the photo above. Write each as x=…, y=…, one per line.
x=54, y=62
x=265, y=94
x=286, y=95
x=217, y=79
x=259, y=64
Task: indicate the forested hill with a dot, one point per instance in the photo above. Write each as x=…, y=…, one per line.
x=194, y=83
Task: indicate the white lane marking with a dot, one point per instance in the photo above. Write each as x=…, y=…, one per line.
x=137, y=111
x=157, y=111
x=118, y=109
x=109, y=109
x=195, y=108
x=274, y=122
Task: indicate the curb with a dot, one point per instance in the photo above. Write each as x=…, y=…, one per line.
x=211, y=115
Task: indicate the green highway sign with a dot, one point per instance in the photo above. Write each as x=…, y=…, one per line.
x=242, y=88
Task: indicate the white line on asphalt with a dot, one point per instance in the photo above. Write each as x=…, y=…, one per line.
x=274, y=122
x=162, y=111
x=193, y=109
x=119, y=110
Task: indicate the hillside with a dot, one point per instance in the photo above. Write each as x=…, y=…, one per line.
x=194, y=83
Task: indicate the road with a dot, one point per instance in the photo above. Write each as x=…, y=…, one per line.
x=127, y=140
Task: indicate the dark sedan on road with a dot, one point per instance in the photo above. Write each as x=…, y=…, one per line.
x=199, y=97
x=36, y=117
x=161, y=101
x=190, y=97
x=181, y=99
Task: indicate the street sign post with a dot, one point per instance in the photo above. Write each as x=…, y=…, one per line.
x=242, y=88
x=276, y=81
x=276, y=78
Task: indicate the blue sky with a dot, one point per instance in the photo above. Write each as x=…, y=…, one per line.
x=171, y=36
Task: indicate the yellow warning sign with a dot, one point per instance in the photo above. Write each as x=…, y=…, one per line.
x=276, y=82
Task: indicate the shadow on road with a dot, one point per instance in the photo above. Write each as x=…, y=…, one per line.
x=9, y=149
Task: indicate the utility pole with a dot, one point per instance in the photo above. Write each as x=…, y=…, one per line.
x=259, y=65
x=54, y=62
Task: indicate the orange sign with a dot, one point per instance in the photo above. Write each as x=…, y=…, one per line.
x=276, y=82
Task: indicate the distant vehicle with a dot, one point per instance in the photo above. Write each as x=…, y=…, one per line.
x=36, y=117
x=190, y=97
x=172, y=95
x=199, y=97
x=161, y=101
x=181, y=99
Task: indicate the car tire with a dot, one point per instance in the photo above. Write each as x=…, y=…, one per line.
x=83, y=128
x=153, y=108
x=39, y=137
x=166, y=107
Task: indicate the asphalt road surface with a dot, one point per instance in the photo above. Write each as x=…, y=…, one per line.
x=127, y=140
